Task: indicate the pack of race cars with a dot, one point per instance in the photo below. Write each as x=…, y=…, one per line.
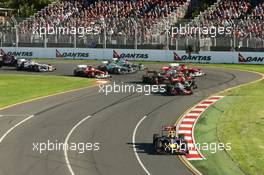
x=178, y=78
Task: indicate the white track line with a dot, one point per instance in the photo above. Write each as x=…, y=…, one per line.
x=14, y=127
x=66, y=142
x=134, y=146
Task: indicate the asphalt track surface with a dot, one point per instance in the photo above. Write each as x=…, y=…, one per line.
x=112, y=123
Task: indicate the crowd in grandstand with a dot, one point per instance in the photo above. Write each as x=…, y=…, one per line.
x=117, y=15
x=253, y=25
x=245, y=19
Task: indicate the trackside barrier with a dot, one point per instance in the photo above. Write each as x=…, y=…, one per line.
x=146, y=55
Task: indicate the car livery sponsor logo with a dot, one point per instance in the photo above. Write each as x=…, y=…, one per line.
x=72, y=54
x=130, y=56
x=206, y=58
x=16, y=53
x=242, y=59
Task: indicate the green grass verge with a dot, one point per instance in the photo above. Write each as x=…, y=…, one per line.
x=237, y=119
x=19, y=88
x=218, y=163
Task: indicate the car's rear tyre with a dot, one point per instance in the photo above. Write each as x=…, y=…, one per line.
x=145, y=79
x=158, y=146
x=155, y=137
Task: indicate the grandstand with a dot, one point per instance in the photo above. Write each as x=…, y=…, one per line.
x=144, y=24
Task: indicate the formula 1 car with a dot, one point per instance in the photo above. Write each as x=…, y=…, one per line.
x=153, y=78
x=193, y=72
x=32, y=66
x=125, y=63
x=1, y=60
x=7, y=60
x=90, y=72
x=114, y=68
x=178, y=89
x=170, y=144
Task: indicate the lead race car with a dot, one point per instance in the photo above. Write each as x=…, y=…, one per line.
x=90, y=72
x=8, y=60
x=32, y=66
x=120, y=66
x=170, y=144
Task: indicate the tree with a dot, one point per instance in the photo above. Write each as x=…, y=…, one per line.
x=26, y=8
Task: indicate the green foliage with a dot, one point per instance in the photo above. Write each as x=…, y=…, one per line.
x=25, y=8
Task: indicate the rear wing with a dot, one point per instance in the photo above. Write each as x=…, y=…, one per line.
x=169, y=128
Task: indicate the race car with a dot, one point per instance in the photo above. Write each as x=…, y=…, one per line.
x=169, y=144
x=153, y=78
x=179, y=86
x=113, y=68
x=7, y=60
x=194, y=72
x=178, y=89
x=125, y=63
x=162, y=77
x=32, y=66
x=90, y=72
x=1, y=60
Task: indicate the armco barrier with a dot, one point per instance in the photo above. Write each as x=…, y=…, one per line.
x=130, y=54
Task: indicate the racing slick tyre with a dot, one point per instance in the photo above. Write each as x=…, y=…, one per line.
x=140, y=67
x=158, y=146
x=116, y=71
x=145, y=79
x=155, y=137
x=75, y=73
x=35, y=68
x=184, y=146
x=102, y=68
x=92, y=75
x=181, y=136
x=169, y=90
x=156, y=81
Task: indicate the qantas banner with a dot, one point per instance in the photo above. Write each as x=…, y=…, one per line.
x=250, y=57
x=27, y=52
x=139, y=55
x=90, y=54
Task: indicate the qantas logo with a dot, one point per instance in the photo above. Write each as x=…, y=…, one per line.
x=2, y=52
x=72, y=54
x=130, y=55
x=176, y=57
x=242, y=59
x=14, y=53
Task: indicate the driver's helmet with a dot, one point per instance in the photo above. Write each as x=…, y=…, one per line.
x=90, y=67
x=171, y=134
x=184, y=67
